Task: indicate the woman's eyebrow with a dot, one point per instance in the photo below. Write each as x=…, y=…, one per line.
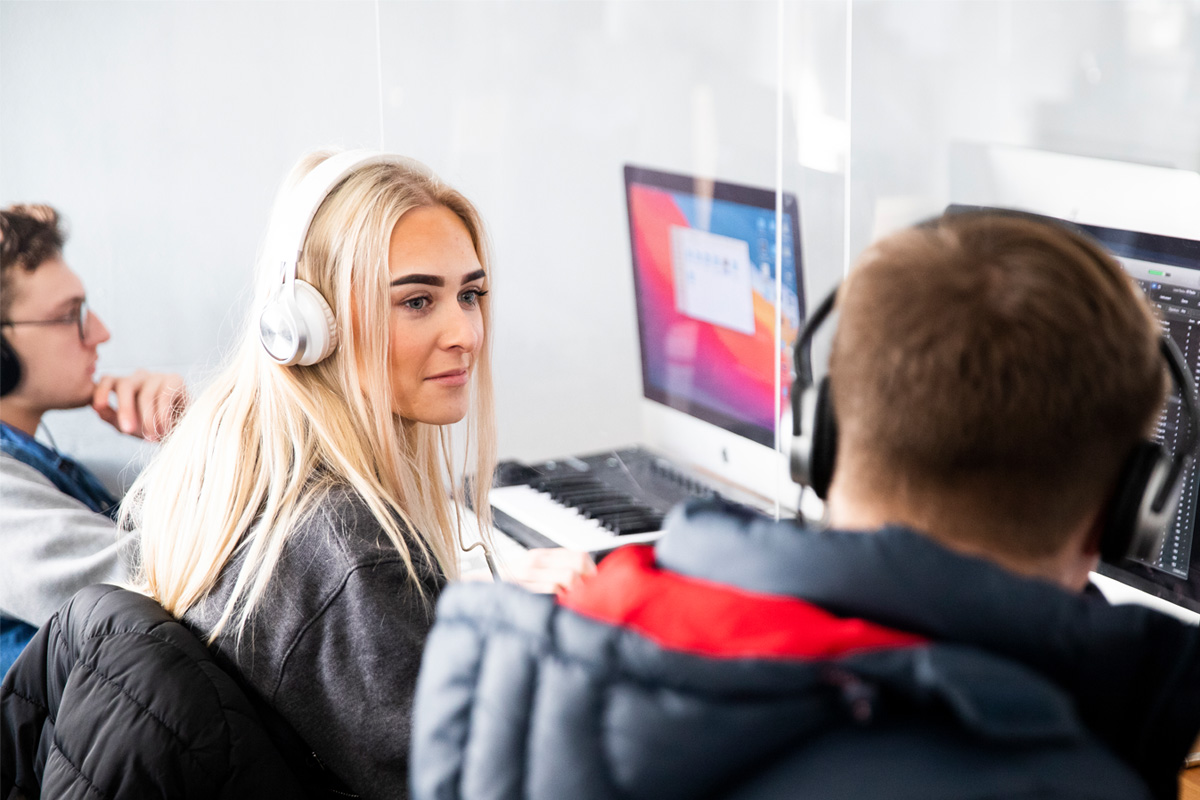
x=428, y=280
x=436, y=280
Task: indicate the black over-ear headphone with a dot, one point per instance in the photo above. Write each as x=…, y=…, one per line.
x=10, y=367
x=814, y=427
x=1147, y=492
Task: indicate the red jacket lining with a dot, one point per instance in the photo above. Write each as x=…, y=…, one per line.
x=712, y=619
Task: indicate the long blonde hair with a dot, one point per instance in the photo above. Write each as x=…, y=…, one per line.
x=263, y=441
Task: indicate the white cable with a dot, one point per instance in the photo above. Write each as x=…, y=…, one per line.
x=778, y=252
x=379, y=73
x=849, y=138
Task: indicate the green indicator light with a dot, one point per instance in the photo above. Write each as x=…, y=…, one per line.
x=1155, y=272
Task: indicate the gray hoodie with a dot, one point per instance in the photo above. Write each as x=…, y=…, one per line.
x=51, y=545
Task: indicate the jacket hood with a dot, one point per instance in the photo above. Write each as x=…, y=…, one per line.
x=1130, y=671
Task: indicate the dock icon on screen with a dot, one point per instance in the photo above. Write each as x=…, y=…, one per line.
x=712, y=278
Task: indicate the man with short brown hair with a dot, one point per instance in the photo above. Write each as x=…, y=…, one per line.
x=990, y=375
x=991, y=378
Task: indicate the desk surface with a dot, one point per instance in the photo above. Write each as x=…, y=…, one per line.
x=1189, y=784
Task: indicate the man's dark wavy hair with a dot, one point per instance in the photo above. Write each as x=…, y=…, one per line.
x=30, y=234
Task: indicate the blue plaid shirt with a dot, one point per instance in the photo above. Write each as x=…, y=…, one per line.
x=68, y=476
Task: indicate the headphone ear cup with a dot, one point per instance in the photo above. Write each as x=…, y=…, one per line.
x=315, y=319
x=299, y=327
x=814, y=447
x=1126, y=531
x=10, y=367
x=824, y=441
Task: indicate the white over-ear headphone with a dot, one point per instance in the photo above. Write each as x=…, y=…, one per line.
x=296, y=326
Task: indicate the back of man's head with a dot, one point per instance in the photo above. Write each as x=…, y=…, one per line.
x=992, y=370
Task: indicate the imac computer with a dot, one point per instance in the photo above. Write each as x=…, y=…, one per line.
x=1095, y=191
x=1167, y=268
x=715, y=376
x=709, y=261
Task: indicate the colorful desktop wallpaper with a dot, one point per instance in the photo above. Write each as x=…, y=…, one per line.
x=695, y=362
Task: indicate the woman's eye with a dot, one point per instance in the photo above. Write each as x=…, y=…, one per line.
x=416, y=303
x=471, y=296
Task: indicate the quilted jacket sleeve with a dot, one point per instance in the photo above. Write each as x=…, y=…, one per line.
x=113, y=698
x=24, y=716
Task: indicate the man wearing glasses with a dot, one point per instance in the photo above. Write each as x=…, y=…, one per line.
x=57, y=531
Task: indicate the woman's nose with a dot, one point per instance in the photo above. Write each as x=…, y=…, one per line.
x=464, y=331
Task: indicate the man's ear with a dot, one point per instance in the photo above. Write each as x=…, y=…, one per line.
x=1095, y=532
x=1081, y=554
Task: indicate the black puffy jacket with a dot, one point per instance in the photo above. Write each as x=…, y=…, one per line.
x=114, y=698
x=748, y=659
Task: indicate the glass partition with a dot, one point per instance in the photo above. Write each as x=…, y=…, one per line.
x=1083, y=111
x=534, y=110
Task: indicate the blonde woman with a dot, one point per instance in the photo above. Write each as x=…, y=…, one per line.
x=299, y=517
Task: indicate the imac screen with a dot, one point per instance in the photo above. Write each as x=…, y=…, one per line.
x=704, y=272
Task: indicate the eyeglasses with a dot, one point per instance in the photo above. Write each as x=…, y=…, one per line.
x=77, y=317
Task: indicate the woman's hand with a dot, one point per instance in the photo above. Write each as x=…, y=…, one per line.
x=549, y=570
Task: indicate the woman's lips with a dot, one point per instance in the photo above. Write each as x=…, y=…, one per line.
x=456, y=377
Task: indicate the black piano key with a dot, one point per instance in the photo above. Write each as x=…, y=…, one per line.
x=584, y=496
x=564, y=481
x=637, y=527
x=599, y=508
x=619, y=519
x=614, y=521
x=596, y=502
x=630, y=516
x=638, y=512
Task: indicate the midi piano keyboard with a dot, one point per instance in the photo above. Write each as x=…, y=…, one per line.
x=594, y=503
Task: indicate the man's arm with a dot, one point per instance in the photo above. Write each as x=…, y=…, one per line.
x=51, y=545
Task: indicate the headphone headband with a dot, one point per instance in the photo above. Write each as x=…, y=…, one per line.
x=1181, y=377
x=297, y=325
x=286, y=244
x=1147, y=491
x=802, y=354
